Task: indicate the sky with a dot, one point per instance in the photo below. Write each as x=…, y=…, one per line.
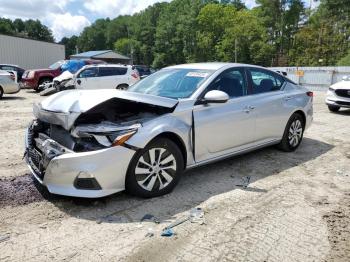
x=69, y=17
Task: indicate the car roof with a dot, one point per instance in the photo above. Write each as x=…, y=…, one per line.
x=211, y=65
x=9, y=65
x=107, y=65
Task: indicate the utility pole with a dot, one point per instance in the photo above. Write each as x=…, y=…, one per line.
x=236, y=43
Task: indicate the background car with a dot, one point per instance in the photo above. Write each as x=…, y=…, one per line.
x=37, y=77
x=107, y=76
x=19, y=71
x=93, y=143
x=338, y=95
x=7, y=84
x=143, y=70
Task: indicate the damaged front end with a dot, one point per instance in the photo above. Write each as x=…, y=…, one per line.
x=85, y=152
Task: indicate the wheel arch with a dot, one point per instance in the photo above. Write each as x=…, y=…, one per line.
x=177, y=140
x=302, y=114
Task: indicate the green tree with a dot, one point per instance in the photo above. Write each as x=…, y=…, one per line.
x=6, y=26
x=282, y=19
x=36, y=30
x=94, y=36
x=324, y=39
x=175, y=35
x=70, y=44
x=345, y=61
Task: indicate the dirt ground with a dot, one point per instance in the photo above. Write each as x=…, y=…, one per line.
x=296, y=207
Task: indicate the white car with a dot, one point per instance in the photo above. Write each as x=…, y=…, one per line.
x=338, y=95
x=7, y=84
x=106, y=76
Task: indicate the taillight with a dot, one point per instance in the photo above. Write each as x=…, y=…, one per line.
x=309, y=93
x=12, y=76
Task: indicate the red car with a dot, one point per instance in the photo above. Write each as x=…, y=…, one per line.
x=34, y=78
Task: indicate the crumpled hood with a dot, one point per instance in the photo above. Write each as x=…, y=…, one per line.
x=64, y=76
x=80, y=101
x=341, y=85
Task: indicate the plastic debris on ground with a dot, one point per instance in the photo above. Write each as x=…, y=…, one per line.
x=4, y=238
x=167, y=232
x=245, y=181
x=197, y=215
x=150, y=232
x=149, y=217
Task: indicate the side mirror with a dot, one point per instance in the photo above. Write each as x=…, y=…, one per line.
x=215, y=96
x=79, y=81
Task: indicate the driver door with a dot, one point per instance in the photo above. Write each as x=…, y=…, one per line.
x=221, y=128
x=88, y=79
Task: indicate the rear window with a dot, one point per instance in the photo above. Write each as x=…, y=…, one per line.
x=112, y=71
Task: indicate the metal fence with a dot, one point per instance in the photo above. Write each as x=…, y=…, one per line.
x=315, y=77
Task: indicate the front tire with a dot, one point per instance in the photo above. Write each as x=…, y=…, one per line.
x=293, y=134
x=1, y=92
x=333, y=108
x=155, y=170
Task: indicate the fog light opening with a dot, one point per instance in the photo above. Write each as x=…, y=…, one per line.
x=86, y=181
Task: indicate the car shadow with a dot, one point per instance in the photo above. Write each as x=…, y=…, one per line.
x=195, y=187
x=344, y=112
x=9, y=98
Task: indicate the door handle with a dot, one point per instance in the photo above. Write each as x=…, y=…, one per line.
x=247, y=109
x=288, y=98
x=251, y=107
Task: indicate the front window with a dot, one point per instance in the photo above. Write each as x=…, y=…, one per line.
x=173, y=83
x=56, y=65
x=89, y=72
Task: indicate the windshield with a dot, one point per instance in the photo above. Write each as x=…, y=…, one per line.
x=56, y=65
x=173, y=83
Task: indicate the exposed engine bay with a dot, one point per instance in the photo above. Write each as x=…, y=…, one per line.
x=100, y=126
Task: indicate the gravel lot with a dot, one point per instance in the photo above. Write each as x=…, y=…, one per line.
x=296, y=208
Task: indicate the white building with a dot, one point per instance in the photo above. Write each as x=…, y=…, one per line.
x=28, y=53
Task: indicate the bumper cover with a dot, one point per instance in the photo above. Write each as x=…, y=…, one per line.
x=334, y=100
x=108, y=166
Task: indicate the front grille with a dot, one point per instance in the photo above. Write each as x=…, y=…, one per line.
x=343, y=92
x=36, y=159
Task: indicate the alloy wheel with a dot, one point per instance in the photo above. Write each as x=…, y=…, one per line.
x=295, y=133
x=155, y=169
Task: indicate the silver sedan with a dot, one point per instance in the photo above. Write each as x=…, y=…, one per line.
x=7, y=83
x=98, y=142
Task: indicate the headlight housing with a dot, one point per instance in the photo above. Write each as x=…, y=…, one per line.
x=106, y=133
x=30, y=74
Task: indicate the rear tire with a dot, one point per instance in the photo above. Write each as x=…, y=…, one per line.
x=122, y=87
x=293, y=134
x=155, y=170
x=333, y=108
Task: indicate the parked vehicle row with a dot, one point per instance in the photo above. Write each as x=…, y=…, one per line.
x=93, y=143
x=35, y=78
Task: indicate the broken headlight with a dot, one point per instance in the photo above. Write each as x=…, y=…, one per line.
x=106, y=133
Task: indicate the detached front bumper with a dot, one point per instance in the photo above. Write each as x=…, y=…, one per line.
x=106, y=168
x=335, y=100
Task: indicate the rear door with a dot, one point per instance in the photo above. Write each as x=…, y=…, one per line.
x=224, y=127
x=88, y=79
x=112, y=77
x=266, y=88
